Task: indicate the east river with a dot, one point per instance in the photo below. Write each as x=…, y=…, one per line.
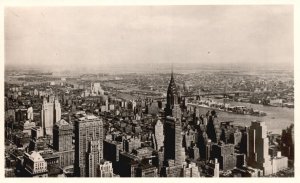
x=277, y=118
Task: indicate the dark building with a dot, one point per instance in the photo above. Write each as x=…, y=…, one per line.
x=225, y=155
x=128, y=164
x=146, y=170
x=172, y=170
x=173, y=140
x=172, y=97
x=194, y=153
x=287, y=139
x=213, y=127
x=244, y=145
x=172, y=125
x=52, y=160
x=62, y=142
x=21, y=115
x=111, y=152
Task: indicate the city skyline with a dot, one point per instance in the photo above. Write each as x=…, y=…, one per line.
x=149, y=91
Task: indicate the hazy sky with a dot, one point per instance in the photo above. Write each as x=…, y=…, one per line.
x=69, y=36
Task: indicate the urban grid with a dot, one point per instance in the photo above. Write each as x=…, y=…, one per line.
x=183, y=120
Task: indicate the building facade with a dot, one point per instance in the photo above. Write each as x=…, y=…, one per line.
x=159, y=135
x=35, y=165
x=62, y=142
x=88, y=145
x=50, y=114
x=259, y=147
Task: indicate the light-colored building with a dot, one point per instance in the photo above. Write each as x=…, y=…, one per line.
x=30, y=114
x=279, y=163
x=105, y=169
x=50, y=114
x=57, y=111
x=35, y=165
x=96, y=89
x=191, y=170
x=276, y=102
x=159, y=134
x=27, y=126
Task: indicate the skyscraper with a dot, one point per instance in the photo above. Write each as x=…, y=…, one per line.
x=50, y=114
x=57, y=111
x=172, y=96
x=159, y=134
x=93, y=158
x=88, y=145
x=172, y=126
x=62, y=142
x=259, y=147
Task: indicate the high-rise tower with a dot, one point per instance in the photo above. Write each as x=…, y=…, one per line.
x=88, y=145
x=172, y=96
x=172, y=125
x=259, y=147
x=62, y=142
x=50, y=114
x=159, y=134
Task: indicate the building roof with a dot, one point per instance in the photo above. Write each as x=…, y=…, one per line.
x=172, y=89
x=35, y=156
x=62, y=122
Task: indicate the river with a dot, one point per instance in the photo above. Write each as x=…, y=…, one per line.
x=277, y=118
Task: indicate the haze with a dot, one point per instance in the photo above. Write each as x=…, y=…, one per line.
x=130, y=35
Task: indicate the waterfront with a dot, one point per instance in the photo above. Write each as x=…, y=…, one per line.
x=277, y=118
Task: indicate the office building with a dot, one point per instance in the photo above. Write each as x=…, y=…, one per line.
x=105, y=169
x=88, y=145
x=225, y=155
x=30, y=114
x=50, y=114
x=191, y=170
x=259, y=147
x=159, y=135
x=35, y=165
x=62, y=142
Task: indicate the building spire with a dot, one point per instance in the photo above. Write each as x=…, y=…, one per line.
x=172, y=71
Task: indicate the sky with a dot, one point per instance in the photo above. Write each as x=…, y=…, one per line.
x=111, y=36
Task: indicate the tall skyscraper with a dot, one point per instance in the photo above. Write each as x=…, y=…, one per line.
x=62, y=142
x=259, y=147
x=88, y=145
x=159, y=134
x=172, y=96
x=172, y=126
x=57, y=111
x=93, y=158
x=50, y=114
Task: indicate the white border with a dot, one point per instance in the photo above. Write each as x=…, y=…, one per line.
x=147, y=2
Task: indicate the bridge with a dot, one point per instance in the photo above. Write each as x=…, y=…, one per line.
x=219, y=93
x=236, y=93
